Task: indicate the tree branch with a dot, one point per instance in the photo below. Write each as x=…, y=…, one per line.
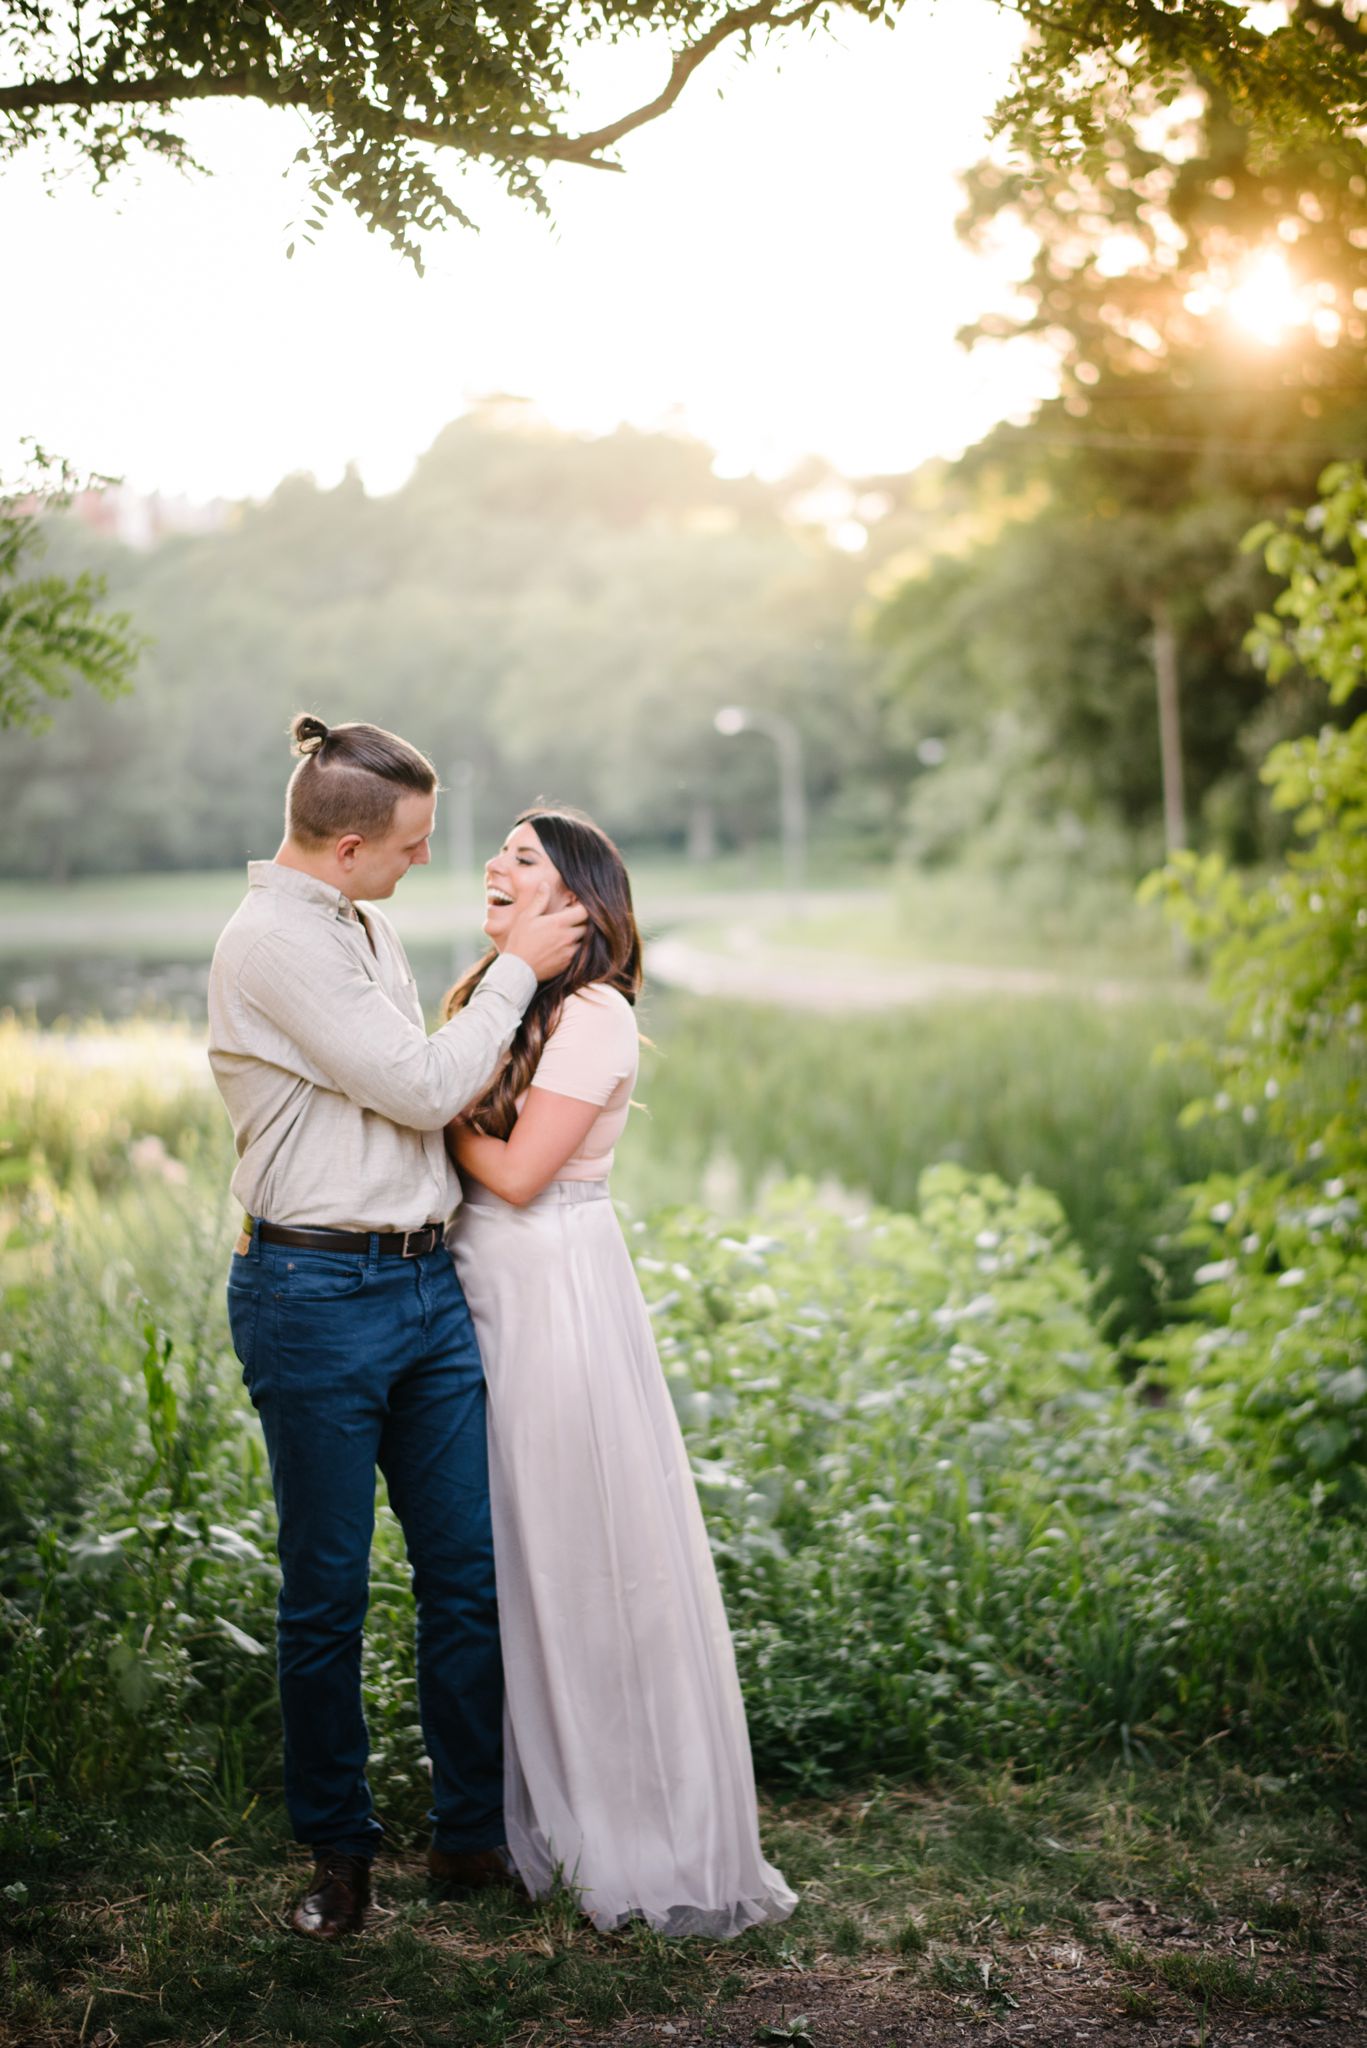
x=161, y=91
x=168, y=87
x=584, y=149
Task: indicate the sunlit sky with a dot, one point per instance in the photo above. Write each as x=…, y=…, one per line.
x=777, y=272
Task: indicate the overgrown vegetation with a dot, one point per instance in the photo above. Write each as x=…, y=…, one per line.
x=1274, y=1352
x=1063, y=1091
x=946, y=1528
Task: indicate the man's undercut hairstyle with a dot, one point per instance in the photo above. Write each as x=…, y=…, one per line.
x=349, y=780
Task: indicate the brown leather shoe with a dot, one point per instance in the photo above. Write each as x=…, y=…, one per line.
x=336, y=1900
x=474, y=1869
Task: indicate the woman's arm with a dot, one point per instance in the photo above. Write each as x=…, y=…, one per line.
x=549, y=1130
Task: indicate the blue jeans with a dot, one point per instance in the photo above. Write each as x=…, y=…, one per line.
x=354, y=1360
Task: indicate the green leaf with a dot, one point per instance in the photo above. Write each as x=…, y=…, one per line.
x=240, y=1637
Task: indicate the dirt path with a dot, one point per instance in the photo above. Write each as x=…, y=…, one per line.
x=1053, y=2004
x=748, y=971
x=1143, y=1978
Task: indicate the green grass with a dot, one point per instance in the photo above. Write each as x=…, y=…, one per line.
x=167, y=1926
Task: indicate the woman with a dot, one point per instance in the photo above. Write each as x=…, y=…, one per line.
x=627, y=1769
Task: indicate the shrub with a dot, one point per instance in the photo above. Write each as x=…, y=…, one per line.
x=946, y=1533
x=1275, y=1346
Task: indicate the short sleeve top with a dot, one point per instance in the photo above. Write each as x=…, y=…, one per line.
x=592, y=1055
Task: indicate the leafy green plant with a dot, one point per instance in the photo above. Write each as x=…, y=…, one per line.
x=947, y=1534
x=52, y=630
x=1276, y=1347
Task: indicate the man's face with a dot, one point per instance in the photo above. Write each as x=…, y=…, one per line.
x=379, y=865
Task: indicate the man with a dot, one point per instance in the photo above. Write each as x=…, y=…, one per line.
x=356, y=1344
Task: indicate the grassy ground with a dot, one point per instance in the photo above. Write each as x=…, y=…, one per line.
x=1191, y=1908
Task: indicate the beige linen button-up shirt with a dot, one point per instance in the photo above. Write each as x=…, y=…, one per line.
x=336, y=1092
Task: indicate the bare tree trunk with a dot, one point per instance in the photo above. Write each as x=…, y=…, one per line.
x=1169, y=727
x=1170, y=748
x=702, y=830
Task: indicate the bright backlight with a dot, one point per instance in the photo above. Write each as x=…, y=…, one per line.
x=1266, y=300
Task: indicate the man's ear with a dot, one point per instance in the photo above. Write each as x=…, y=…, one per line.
x=346, y=849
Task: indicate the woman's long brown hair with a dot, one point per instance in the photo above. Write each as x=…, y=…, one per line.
x=610, y=951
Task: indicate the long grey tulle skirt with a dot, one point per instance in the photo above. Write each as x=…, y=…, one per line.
x=627, y=1769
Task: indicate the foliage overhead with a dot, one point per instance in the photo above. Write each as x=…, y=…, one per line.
x=1141, y=244
x=52, y=632
x=384, y=89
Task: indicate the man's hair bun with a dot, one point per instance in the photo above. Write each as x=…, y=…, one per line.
x=307, y=732
x=349, y=780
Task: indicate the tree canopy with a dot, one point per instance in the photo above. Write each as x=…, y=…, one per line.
x=385, y=90
x=1027, y=646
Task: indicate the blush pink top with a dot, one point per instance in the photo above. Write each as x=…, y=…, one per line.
x=592, y=1055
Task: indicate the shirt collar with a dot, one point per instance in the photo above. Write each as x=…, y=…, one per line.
x=269, y=874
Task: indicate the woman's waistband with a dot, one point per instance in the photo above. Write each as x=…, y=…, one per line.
x=480, y=1197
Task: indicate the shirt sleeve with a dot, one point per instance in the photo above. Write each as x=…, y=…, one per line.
x=592, y=1050
x=347, y=1027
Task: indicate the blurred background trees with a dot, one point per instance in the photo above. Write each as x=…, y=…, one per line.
x=563, y=615
x=1201, y=280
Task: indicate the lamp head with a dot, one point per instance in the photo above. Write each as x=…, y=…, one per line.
x=730, y=721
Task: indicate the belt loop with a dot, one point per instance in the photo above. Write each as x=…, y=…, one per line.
x=373, y=1257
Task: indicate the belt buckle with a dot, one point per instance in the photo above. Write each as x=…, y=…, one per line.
x=404, y=1252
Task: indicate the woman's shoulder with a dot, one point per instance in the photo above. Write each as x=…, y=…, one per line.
x=601, y=995
x=598, y=1010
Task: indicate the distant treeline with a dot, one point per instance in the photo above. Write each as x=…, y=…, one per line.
x=565, y=616
x=548, y=615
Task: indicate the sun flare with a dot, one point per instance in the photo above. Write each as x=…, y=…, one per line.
x=1266, y=300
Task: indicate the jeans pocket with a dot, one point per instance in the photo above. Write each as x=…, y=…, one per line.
x=244, y=1314
x=317, y=1277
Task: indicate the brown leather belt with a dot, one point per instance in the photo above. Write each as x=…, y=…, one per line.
x=399, y=1244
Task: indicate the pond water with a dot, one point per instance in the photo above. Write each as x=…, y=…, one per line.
x=75, y=986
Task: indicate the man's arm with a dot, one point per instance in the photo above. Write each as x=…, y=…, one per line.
x=370, y=1051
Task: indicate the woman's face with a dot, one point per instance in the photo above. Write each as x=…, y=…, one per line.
x=519, y=868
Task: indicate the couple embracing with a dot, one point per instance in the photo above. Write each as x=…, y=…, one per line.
x=431, y=1279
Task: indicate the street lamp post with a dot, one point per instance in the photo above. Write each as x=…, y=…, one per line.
x=792, y=797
